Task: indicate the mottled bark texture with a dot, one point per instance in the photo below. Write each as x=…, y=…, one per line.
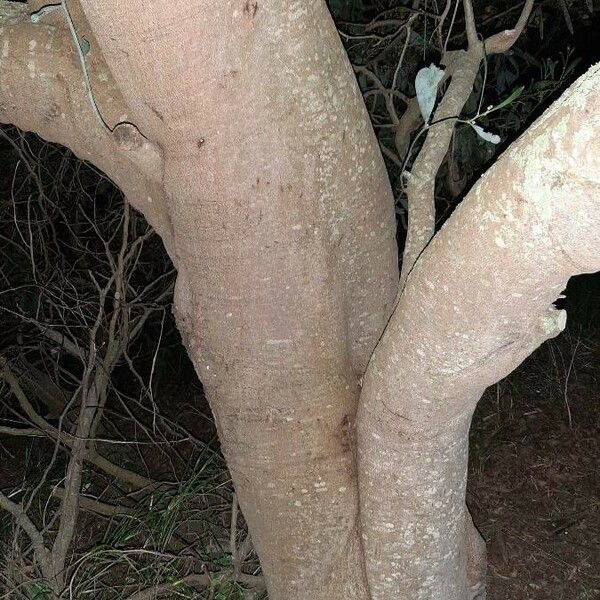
x=42, y=90
x=420, y=190
x=237, y=128
x=479, y=300
x=282, y=228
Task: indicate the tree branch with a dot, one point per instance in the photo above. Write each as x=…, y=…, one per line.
x=501, y=42
x=25, y=432
x=59, y=109
x=470, y=26
x=96, y=506
x=37, y=541
x=478, y=302
x=421, y=182
x=137, y=481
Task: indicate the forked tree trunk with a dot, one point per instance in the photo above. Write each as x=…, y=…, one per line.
x=260, y=170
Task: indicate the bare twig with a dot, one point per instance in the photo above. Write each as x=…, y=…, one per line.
x=471, y=28
x=96, y=506
x=37, y=541
x=133, y=479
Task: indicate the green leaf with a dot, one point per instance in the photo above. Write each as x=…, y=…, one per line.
x=566, y=15
x=511, y=98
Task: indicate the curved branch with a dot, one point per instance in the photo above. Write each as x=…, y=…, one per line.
x=37, y=541
x=38, y=62
x=479, y=301
x=421, y=181
x=472, y=37
x=421, y=186
x=501, y=42
x=137, y=481
x=96, y=506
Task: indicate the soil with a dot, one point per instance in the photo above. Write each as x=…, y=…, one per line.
x=534, y=486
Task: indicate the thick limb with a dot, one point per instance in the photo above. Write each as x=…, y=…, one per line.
x=38, y=63
x=461, y=326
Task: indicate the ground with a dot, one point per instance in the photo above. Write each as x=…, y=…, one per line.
x=534, y=488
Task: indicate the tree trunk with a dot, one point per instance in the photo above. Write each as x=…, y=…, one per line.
x=238, y=129
x=284, y=243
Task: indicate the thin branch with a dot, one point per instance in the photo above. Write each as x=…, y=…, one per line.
x=59, y=338
x=451, y=27
x=387, y=96
x=391, y=155
x=69, y=510
x=402, y=55
x=25, y=432
x=470, y=26
x=501, y=42
x=8, y=376
x=96, y=506
x=420, y=191
x=464, y=66
x=139, y=482
x=37, y=541
x=440, y=26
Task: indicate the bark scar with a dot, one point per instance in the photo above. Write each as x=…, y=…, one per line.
x=250, y=8
x=346, y=433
